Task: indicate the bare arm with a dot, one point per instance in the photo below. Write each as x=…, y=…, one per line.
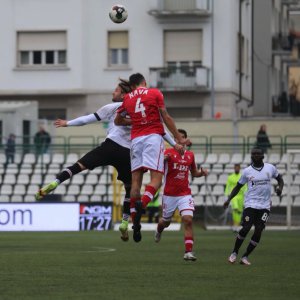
x=199, y=172
x=168, y=120
x=122, y=121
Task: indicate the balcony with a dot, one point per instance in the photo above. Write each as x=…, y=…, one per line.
x=180, y=78
x=179, y=10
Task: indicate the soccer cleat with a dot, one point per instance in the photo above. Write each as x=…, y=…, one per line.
x=189, y=256
x=232, y=258
x=124, y=231
x=157, y=236
x=137, y=233
x=46, y=190
x=137, y=236
x=245, y=261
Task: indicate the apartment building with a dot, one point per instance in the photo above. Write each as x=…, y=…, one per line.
x=211, y=58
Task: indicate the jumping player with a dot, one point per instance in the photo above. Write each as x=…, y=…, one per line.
x=114, y=151
x=146, y=109
x=257, y=202
x=177, y=194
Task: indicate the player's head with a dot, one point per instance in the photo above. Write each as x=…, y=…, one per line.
x=137, y=80
x=183, y=134
x=121, y=89
x=237, y=168
x=257, y=156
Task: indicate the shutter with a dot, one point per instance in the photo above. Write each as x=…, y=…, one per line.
x=118, y=40
x=183, y=45
x=28, y=41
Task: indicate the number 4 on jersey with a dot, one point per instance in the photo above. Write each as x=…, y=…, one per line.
x=139, y=107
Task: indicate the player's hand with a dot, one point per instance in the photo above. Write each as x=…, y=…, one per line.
x=60, y=123
x=278, y=191
x=203, y=172
x=179, y=148
x=167, y=156
x=226, y=204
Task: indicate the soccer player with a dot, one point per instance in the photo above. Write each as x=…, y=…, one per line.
x=114, y=151
x=177, y=194
x=237, y=203
x=257, y=202
x=147, y=112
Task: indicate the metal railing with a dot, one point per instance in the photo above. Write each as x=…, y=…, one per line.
x=186, y=5
x=200, y=143
x=180, y=78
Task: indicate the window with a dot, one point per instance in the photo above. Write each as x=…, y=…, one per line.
x=175, y=43
x=118, y=49
x=242, y=54
x=42, y=49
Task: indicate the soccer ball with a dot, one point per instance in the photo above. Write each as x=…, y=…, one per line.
x=118, y=13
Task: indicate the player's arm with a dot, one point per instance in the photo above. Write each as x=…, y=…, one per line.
x=279, y=188
x=168, y=120
x=167, y=137
x=80, y=121
x=122, y=121
x=198, y=172
x=233, y=193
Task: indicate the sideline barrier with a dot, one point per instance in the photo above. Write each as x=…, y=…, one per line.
x=55, y=216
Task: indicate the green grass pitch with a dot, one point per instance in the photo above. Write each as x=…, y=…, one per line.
x=98, y=265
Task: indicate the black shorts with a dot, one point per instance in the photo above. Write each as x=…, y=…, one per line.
x=256, y=217
x=110, y=153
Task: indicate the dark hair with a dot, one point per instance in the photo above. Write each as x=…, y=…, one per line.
x=136, y=79
x=257, y=149
x=183, y=132
x=125, y=86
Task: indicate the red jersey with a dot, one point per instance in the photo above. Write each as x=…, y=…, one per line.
x=142, y=105
x=177, y=170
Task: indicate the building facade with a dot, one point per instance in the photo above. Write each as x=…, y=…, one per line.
x=207, y=56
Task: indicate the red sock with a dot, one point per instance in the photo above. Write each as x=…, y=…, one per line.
x=148, y=195
x=188, y=241
x=132, y=208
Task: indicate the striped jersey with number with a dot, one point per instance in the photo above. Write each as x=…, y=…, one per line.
x=258, y=195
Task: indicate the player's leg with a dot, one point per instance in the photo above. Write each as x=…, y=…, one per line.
x=150, y=213
x=186, y=208
x=259, y=225
x=152, y=187
x=60, y=178
x=169, y=206
x=153, y=160
x=247, y=222
x=94, y=158
x=126, y=214
x=121, y=162
x=135, y=207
